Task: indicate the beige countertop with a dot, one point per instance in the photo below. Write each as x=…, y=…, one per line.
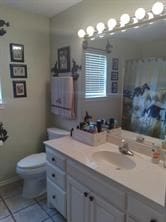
x=145, y=178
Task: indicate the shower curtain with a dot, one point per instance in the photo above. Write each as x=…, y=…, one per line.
x=144, y=97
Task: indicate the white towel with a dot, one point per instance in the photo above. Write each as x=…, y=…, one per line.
x=62, y=97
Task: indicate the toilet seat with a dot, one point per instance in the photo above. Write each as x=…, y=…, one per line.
x=33, y=161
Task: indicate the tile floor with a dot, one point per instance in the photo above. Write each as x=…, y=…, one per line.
x=15, y=208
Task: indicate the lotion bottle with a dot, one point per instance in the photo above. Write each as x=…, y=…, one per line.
x=155, y=154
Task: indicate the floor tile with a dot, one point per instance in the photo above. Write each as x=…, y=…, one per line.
x=58, y=218
x=33, y=213
x=50, y=211
x=11, y=190
x=16, y=203
x=7, y=219
x=3, y=210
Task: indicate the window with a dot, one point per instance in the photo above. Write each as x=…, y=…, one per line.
x=95, y=75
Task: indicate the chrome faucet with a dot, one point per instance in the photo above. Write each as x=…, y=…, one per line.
x=124, y=148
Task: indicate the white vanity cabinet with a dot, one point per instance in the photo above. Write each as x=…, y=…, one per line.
x=56, y=181
x=91, y=200
x=77, y=201
x=85, y=206
x=81, y=194
x=141, y=212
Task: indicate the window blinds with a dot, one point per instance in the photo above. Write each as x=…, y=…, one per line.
x=95, y=75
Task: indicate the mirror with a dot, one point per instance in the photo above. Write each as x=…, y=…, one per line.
x=141, y=76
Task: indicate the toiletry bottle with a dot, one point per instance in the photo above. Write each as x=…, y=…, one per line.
x=99, y=126
x=155, y=154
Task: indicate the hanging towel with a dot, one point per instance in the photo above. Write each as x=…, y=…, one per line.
x=62, y=97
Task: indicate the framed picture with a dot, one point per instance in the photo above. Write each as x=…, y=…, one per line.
x=19, y=89
x=114, y=75
x=114, y=87
x=64, y=59
x=115, y=64
x=18, y=71
x=16, y=52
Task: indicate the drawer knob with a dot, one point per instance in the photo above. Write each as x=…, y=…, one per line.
x=53, y=196
x=85, y=194
x=153, y=220
x=53, y=175
x=91, y=198
x=53, y=159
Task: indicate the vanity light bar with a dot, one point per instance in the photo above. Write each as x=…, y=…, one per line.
x=126, y=22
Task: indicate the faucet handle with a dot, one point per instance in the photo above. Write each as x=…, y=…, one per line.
x=124, y=144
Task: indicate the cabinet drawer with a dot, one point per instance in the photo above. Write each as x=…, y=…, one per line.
x=141, y=212
x=57, y=197
x=108, y=191
x=55, y=158
x=56, y=175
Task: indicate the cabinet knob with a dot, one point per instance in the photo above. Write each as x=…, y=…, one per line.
x=153, y=220
x=53, y=159
x=53, y=175
x=85, y=194
x=91, y=198
x=53, y=196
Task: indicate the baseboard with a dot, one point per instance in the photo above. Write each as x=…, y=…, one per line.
x=9, y=180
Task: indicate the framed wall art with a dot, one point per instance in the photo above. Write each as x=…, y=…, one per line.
x=114, y=87
x=16, y=52
x=114, y=75
x=19, y=89
x=115, y=64
x=64, y=59
x=18, y=71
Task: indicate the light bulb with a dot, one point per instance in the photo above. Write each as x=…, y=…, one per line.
x=158, y=8
x=140, y=13
x=81, y=33
x=150, y=15
x=111, y=24
x=135, y=20
x=100, y=27
x=124, y=19
x=90, y=30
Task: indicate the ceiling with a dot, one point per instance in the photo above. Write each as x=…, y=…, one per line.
x=43, y=7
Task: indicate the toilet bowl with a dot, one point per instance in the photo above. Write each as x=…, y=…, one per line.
x=32, y=169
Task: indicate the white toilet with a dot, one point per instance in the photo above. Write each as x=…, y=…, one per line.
x=33, y=168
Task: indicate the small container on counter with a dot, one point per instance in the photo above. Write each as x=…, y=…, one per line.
x=155, y=153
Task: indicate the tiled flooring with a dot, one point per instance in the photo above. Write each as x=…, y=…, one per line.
x=14, y=208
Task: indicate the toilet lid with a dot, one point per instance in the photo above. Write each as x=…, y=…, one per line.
x=33, y=161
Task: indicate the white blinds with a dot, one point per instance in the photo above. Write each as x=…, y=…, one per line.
x=95, y=75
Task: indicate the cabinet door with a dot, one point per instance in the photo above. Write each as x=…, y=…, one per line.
x=101, y=211
x=77, y=201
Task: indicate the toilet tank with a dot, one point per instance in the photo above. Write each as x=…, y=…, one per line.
x=54, y=133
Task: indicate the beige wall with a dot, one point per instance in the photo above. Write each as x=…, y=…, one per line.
x=64, y=29
x=24, y=118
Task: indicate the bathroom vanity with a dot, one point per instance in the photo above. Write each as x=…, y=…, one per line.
x=99, y=184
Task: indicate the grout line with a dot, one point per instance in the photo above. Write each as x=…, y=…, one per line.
x=38, y=202
x=11, y=214
x=17, y=211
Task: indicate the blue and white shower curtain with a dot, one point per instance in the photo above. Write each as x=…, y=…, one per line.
x=144, y=103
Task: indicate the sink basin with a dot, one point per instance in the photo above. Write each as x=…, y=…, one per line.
x=116, y=160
